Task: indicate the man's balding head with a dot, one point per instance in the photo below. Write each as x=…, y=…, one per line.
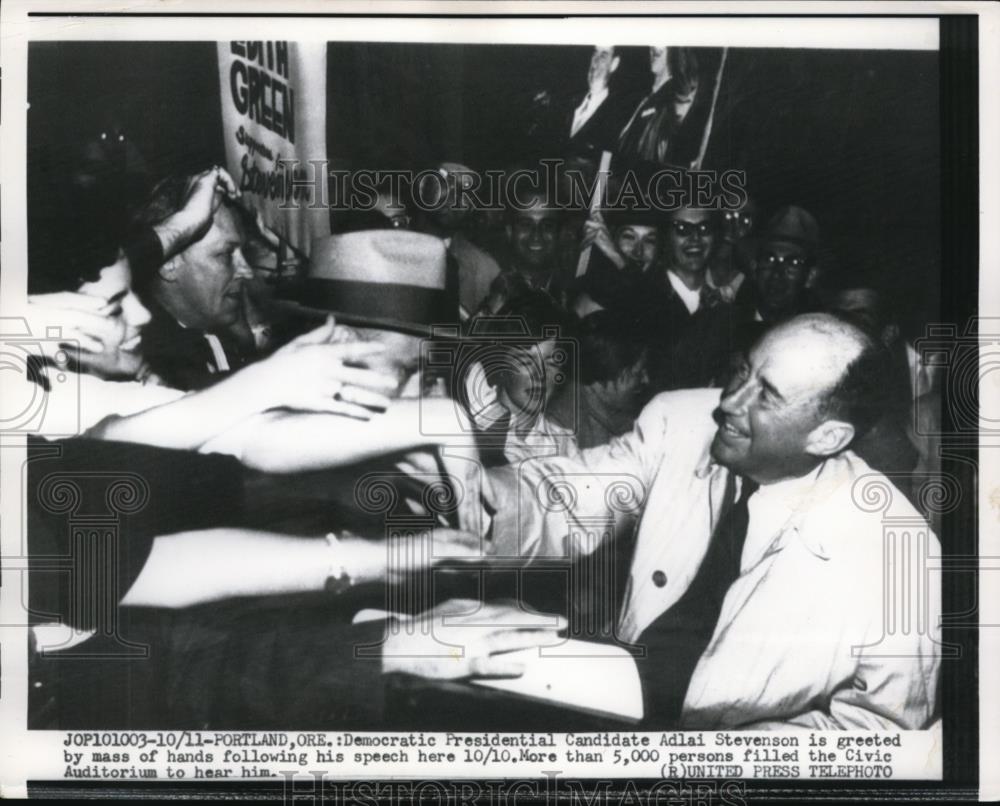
x=803, y=393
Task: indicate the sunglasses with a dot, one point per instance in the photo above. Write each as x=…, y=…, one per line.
x=685, y=228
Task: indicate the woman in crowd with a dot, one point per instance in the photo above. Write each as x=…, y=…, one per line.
x=519, y=357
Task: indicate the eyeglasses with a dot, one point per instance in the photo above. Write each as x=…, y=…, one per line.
x=685, y=228
x=788, y=263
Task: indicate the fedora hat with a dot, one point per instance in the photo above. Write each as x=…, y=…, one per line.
x=387, y=279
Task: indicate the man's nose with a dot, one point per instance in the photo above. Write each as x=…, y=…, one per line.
x=241, y=269
x=734, y=401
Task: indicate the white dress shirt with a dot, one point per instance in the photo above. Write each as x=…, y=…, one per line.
x=585, y=111
x=691, y=299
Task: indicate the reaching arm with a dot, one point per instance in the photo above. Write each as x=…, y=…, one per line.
x=310, y=373
x=551, y=506
x=291, y=442
x=217, y=564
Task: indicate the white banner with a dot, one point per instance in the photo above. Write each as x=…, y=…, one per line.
x=274, y=124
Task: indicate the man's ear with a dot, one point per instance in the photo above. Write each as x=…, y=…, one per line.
x=168, y=271
x=614, y=64
x=829, y=438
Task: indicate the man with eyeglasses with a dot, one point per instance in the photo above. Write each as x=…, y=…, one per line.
x=786, y=265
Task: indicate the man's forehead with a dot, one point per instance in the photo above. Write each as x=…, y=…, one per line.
x=694, y=215
x=783, y=248
x=227, y=225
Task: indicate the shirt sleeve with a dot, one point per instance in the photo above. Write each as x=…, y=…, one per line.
x=94, y=509
x=558, y=506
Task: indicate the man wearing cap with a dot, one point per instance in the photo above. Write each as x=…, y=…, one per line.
x=763, y=585
x=786, y=264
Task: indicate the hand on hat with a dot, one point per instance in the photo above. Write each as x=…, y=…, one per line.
x=314, y=373
x=204, y=194
x=596, y=233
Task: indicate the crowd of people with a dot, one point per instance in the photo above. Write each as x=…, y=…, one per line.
x=434, y=389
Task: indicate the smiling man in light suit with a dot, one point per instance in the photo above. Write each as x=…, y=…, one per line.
x=758, y=579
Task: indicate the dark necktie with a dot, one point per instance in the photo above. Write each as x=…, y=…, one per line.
x=677, y=639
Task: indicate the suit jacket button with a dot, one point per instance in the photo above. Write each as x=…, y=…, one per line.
x=659, y=579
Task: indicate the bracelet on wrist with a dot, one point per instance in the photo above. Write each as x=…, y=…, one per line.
x=337, y=577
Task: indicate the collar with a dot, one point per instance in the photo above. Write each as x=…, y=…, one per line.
x=691, y=299
x=733, y=286
x=596, y=98
x=801, y=496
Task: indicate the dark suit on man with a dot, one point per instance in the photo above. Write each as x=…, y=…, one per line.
x=600, y=131
x=183, y=358
x=653, y=132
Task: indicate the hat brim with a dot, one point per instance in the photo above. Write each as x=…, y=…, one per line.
x=405, y=309
x=806, y=246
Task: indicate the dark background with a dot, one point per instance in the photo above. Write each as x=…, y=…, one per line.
x=852, y=136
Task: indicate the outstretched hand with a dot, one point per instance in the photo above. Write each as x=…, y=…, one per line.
x=318, y=374
x=466, y=638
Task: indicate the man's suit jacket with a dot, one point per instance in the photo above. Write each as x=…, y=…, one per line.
x=182, y=357
x=600, y=131
x=653, y=133
x=833, y=622
x=657, y=479
x=808, y=594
